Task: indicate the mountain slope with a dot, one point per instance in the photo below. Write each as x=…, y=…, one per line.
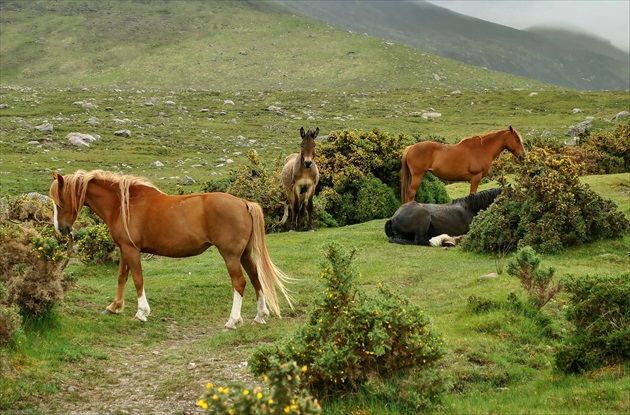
x=211, y=45
x=477, y=42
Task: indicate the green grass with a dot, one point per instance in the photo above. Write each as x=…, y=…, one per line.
x=495, y=363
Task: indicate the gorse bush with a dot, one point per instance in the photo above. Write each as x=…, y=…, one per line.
x=10, y=319
x=351, y=341
x=547, y=208
x=537, y=282
x=283, y=381
x=360, y=175
x=259, y=183
x=94, y=244
x=609, y=150
x=30, y=268
x=599, y=309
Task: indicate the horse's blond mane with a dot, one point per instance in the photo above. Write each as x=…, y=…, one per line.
x=75, y=187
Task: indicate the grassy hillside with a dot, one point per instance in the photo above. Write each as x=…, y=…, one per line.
x=558, y=58
x=211, y=45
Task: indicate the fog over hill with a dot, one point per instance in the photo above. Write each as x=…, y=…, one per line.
x=555, y=55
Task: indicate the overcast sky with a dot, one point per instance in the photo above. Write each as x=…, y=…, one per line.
x=608, y=19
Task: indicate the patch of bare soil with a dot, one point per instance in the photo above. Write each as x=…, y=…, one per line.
x=138, y=380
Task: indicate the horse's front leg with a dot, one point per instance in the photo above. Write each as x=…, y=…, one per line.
x=295, y=213
x=119, y=300
x=310, y=212
x=132, y=257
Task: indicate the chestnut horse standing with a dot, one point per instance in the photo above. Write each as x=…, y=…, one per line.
x=469, y=160
x=143, y=219
x=300, y=177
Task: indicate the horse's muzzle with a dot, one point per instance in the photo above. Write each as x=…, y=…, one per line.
x=65, y=230
x=308, y=163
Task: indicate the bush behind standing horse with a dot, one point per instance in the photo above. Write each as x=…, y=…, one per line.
x=300, y=177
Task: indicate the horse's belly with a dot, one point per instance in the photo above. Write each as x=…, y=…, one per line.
x=173, y=249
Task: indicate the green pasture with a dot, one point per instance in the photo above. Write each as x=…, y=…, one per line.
x=82, y=361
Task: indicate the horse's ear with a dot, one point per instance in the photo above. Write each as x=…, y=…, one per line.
x=302, y=132
x=511, y=129
x=59, y=178
x=316, y=132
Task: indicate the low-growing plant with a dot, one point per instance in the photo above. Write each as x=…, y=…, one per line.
x=30, y=269
x=30, y=208
x=10, y=319
x=280, y=397
x=258, y=183
x=599, y=309
x=547, y=208
x=537, y=282
x=351, y=339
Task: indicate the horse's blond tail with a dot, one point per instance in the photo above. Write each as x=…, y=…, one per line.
x=269, y=275
x=405, y=177
x=286, y=214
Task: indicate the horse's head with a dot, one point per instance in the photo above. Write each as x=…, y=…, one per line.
x=65, y=205
x=514, y=143
x=308, y=146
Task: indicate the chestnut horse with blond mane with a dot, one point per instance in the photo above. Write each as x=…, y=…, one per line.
x=141, y=218
x=469, y=160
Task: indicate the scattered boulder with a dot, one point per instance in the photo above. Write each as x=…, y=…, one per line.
x=436, y=77
x=431, y=115
x=45, y=128
x=158, y=163
x=622, y=114
x=123, y=133
x=581, y=128
x=189, y=180
x=82, y=140
x=3, y=106
x=576, y=111
x=533, y=94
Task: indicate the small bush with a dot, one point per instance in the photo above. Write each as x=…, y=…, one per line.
x=599, y=308
x=221, y=184
x=259, y=183
x=10, y=319
x=537, y=282
x=95, y=245
x=547, y=208
x=351, y=339
x=30, y=208
x=610, y=149
x=281, y=398
x=30, y=268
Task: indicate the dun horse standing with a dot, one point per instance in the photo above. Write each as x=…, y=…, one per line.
x=469, y=160
x=300, y=177
x=143, y=219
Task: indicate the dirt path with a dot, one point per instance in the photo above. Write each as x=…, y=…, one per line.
x=138, y=380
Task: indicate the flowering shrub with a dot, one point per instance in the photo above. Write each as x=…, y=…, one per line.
x=548, y=209
x=279, y=398
x=610, y=150
x=258, y=183
x=351, y=340
x=30, y=269
x=10, y=319
x=599, y=308
x=95, y=245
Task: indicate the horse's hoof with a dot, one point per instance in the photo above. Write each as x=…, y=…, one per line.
x=229, y=327
x=259, y=320
x=139, y=318
x=107, y=311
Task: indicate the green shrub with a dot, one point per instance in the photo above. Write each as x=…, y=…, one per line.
x=25, y=208
x=221, y=184
x=95, y=245
x=611, y=149
x=599, y=308
x=350, y=339
x=537, y=282
x=258, y=183
x=10, y=319
x=547, y=208
x=30, y=269
x=281, y=398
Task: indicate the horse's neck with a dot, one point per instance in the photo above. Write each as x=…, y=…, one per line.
x=494, y=144
x=99, y=196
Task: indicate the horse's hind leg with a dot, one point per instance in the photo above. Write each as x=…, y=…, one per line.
x=250, y=267
x=138, y=280
x=238, y=283
x=416, y=179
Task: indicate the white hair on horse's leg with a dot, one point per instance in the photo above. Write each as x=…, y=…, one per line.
x=262, y=310
x=235, y=315
x=143, y=307
x=438, y=240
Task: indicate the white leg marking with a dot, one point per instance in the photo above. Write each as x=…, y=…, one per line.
x=143, y=308
x=262, y=310
x=235, y=315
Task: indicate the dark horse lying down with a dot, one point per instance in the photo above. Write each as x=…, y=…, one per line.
x=416, y=223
